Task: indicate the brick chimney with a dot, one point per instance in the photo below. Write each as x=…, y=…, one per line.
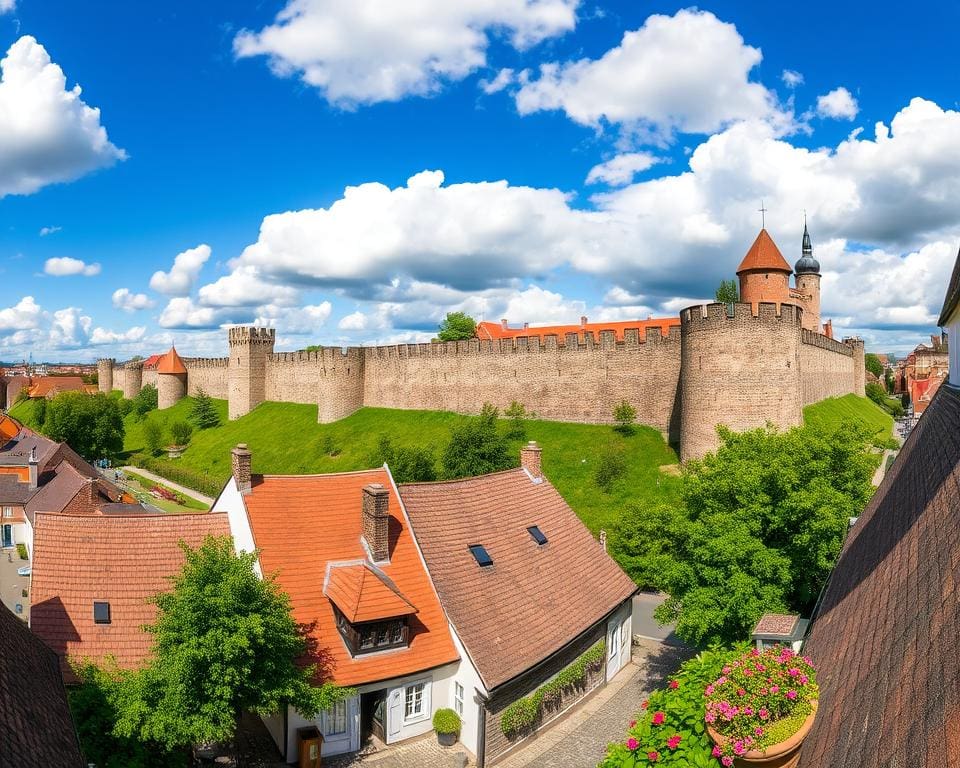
x=503, y=323
x=240, y=461
x=530, y=459
x=34, y=466
x=376, y=521
x=583, y=321
x=93, y=494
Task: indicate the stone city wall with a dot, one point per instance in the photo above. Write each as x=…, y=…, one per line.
x=826, y=367
x=208, y=374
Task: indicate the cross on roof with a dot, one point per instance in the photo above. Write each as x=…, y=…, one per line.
x=763, y=218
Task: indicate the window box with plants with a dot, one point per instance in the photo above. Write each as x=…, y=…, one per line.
x=446, y=723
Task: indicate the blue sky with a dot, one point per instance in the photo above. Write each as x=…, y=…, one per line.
x=215, y=116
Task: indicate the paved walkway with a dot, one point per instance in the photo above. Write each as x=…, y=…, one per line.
x=12, y=585
x=174, y=486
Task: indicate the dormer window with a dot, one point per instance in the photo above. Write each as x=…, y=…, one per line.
x=371, y=636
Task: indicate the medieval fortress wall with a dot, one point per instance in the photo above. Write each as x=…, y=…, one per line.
x=741, y=365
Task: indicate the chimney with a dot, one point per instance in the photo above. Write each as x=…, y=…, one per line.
x=93, y=494
x=503, y=323
x=376, y=521
x=526, y=325
x=34, y=466
x=530, y=459
x=240, y=461
x=583, y=321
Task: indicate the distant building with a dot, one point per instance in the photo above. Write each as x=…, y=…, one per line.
x=921, y=373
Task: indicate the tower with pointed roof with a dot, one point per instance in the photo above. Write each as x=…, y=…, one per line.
x=171, y=379
x=764, y=273
x=807, y=270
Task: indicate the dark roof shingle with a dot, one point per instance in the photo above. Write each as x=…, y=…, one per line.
x=534, y=599
x=952, y=300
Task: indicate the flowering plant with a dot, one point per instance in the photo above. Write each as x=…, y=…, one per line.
x=759, y=699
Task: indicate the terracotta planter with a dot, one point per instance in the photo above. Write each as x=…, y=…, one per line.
x=786, y=754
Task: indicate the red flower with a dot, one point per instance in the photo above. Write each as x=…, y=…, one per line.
x=674, y=741
x=645, y=705
x=658, y=718
x=653, y=756
x=674, y=684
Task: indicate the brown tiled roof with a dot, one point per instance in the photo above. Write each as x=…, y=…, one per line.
x=952, y=300
x=302, y=523
x=42, y=386
x=534, y=599
x=489, y=330
x=363, y=595
x=123, y=560
x=171, y=363
x=36, y=730
x=885, y=640
x=776, y=624
x=764, y=255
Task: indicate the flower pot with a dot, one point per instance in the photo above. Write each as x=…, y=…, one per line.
x=447, y=739
x=785, y=754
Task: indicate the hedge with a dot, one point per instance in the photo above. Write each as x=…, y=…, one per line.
x=202, y=483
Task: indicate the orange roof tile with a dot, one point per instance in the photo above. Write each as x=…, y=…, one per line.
x=302, y=523
x=123, y=560
x=764, y=255
x=171, y=363
x=487, y=330
x=362, y=594
x=151, y=362
x=44, y=385
x=9, y=429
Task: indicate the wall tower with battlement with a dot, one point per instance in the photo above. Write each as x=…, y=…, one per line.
x=247, y=370
x=132, y=379
x=105, y=374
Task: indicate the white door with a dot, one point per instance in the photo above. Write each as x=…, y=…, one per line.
x=614, y=645
x=394, y=714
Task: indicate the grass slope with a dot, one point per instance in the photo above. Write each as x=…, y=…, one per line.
x=833, y=410
x=25, y=412
x=286, y=439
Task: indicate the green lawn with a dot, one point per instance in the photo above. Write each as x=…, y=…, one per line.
x=286, y=439
x=140, y=487
x=25, y=412
x=833, y=410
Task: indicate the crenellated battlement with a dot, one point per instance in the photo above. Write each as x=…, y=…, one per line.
x=815, y=339
x=324, y=355
x=133, y=365
x=206, y=362
x=702, y=316
x=248, y=335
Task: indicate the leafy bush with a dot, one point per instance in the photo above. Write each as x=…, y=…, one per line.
x=670, y=730
x=22, y=551
x=145, y=400
x=611, y=466
x=446, y=721
x=204, y=412
x=409, y=464
x=624, y=414
x=754, y=694
x=153, y=436
x=516, y=416
x=522, y=714
x=329, y=446
x=90, y=424
x=476, y=448
x=40, y=411
x=180, y=432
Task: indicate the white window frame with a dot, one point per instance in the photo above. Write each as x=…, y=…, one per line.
x=458, y=698
x=410, y=716
x=330, y=718
x=8, y=511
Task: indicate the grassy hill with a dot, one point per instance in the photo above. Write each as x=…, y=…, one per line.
x=833, y=410
x=286, y=439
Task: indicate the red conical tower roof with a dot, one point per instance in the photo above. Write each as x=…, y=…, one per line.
x=171, y=363
x=764, y=255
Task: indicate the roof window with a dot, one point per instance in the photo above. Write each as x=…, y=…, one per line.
x=480, y=555
x=101, y=612
x=537, y=535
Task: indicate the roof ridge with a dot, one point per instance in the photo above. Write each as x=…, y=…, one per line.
x=462, y=479
x=322, y=474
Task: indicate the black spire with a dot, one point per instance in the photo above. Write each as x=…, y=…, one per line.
x=807, y=245
x=807, y=264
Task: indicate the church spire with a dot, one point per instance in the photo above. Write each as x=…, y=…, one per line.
x=807, y=245
x=806, y=263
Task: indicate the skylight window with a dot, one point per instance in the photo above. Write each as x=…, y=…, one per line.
x=480, y=555
x=101, y=613
x=537, y=535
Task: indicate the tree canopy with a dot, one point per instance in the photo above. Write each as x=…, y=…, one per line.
x=872, y=363
x=758, y=527
x=90, y=424
x=204, y=412
x=224, y=642
x=476, y=447
x=457, y=326
x=145, y=400
x=727, y=292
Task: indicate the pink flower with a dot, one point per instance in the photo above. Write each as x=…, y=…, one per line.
x=632, y=743
x=674, y=684
x=645, y=705
x=738, y=748
x=633, y=723
x=793, y=671
x=741, y=692
x=653, y=756
x=791, y=695
x=710, y=717
x=803, y=679
x=658, y=718
x=764, y=713
x=674, y=741
x=726, y=761
x=709, y=690
x=774, y=688
x=716, y=751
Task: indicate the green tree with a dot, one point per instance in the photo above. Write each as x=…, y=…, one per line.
x=180, y=432
x=90, y=424
x=40, y=411
x=457, y=326
x=728, y=292
x=516, y=421
x=872, y=363
x=408, y=464
x=476, y=447
x=224, y=641
x=145, y=400
x=204, y=412
x=152, y=436
x=758, y=528
x=624, y=414
x=610, y=466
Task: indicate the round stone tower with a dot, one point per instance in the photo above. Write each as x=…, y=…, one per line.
x=105, y=375
x=764, y=273
x=171, y=379
x=738, y=369
x=132, y=379
x=807, y=270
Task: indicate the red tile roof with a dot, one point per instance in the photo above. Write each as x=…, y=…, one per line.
x=534, y=599
x=362, y=594
x=487, y=330
x=171, y=363
x=302, y=523
x=885, y=640
x=41, y=386
x=764, y=255
x=151, y=362
x=123, y=560
x=9, y=429
x=35, y=723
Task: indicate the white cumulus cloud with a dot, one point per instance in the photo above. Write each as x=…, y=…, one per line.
x=503, y=78
x=7, y=5
x=184, y=273
x=125, y=299
x=791, y=78
x=621, y=169
x=839, y=104
x=366, y=51
x=65, y=266
x=688, y=73
x=44, y=231
x=26, y=314
x=47, y=133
